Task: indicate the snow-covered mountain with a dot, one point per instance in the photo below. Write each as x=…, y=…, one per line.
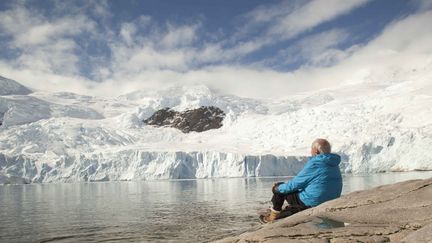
x=10, y=87
x=49, y=137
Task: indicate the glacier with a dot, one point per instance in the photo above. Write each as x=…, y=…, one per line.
x=67, y=137
x=144, y=165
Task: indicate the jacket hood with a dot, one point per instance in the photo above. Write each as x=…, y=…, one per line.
x=329, y=159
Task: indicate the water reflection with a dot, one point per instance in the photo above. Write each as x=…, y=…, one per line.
x=363, y=182
x=185, y=210
x=327, y=223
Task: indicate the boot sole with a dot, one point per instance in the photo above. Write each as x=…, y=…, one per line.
x=261, y=219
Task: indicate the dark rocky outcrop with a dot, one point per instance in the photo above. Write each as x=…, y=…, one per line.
x=196, y=120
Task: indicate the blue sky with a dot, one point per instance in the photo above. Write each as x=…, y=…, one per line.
x=241, y=47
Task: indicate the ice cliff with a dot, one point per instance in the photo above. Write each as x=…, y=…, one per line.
x=144, y=165
x=49, y=137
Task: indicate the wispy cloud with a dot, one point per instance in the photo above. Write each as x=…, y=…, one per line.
x=61, y=52
x=42, y=44
x=312, y=14
x=288, y=19
x=319, y=50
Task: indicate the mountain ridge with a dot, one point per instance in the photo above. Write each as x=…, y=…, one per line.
x=11, y=87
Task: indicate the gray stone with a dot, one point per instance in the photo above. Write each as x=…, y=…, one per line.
x=423, y=235
x=390, y=213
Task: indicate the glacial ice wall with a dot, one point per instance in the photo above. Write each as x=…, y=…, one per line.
x=144, y=165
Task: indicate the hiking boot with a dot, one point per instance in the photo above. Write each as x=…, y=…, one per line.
x=270, y=217
x=286, y=212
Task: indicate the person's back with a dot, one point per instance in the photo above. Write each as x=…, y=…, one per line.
x=324, y=180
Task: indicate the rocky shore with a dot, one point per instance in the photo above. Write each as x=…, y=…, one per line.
x=400, y=212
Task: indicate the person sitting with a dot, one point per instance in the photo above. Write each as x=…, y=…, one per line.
x=319, y=181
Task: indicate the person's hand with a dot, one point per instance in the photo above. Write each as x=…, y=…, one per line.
x=275, y=186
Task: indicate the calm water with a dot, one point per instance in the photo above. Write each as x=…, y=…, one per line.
x=185, y=211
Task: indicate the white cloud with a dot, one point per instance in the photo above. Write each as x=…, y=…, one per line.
x=402, y=47
x=267, y=13
x=179, y=36
x=100, y=8
x=315, y=44
x=148, y=58
x=424, y=5
x=30, y=28
x=47, y=32
x=312, y=14
x=127, y=32
x=320, y=49
x=43, y=45
x=46, y=81
x=57, y=56
x=169, y=54
x=288, y=20
x=409, y=35
x=388, y=57
x=134, y=53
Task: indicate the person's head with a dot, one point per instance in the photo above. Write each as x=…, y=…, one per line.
x=320, y=146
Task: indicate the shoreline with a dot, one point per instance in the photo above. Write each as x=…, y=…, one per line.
x=7, y=181
x=399, y=212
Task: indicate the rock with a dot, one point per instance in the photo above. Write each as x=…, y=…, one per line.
x=390, y=213
x=423, y=235
x=197, y=120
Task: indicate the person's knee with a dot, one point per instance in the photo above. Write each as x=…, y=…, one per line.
x=275, y=187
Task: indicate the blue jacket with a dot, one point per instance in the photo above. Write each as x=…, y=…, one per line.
x=320, y=180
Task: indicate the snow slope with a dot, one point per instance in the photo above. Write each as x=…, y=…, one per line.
x=50, y=137
x=10, y=87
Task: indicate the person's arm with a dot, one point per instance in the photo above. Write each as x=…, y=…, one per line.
x=299, y=182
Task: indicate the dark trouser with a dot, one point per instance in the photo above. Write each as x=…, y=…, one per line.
x=295, y=204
